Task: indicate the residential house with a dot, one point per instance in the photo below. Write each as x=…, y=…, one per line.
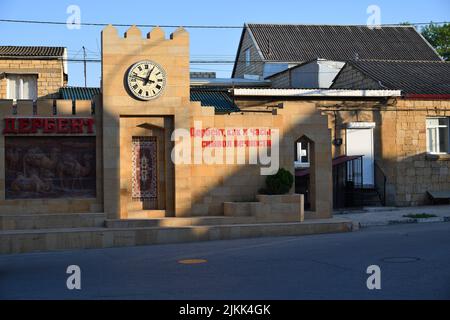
x=32, y=72
x=304, y=61
x=416, y=163
x=266, y=49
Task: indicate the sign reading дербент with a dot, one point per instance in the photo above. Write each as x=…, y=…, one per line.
x=40, y=125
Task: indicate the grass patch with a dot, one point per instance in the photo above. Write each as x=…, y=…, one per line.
x=420, y=216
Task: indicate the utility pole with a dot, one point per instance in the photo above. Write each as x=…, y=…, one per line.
x=84, y=59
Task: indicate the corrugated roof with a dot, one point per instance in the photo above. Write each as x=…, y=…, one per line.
x=412, y=77
x=293, y=92
x=78, y=93
x=208, y=97
x=298, y=43
x=228, y=83
x=33, y=51
x=217, y=98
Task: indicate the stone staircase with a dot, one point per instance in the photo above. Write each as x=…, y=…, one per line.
x=51, y=232
x=368, y=198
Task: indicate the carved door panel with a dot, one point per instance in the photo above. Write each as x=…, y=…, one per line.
x=144, y=171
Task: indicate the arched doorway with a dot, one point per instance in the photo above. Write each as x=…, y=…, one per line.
x=304, y=170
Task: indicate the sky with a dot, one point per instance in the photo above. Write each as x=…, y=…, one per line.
x=206, y=44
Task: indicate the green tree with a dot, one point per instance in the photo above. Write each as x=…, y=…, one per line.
x=439, y=37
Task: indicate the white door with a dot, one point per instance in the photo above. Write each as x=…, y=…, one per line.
x=360, y=143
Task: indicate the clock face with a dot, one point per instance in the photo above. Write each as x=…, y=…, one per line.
x=146, y=80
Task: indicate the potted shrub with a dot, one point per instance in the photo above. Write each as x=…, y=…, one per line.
x=279, y=183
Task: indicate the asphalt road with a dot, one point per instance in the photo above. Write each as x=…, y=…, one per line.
x=414, y=262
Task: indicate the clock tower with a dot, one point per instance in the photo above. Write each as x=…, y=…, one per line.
x=145, y=89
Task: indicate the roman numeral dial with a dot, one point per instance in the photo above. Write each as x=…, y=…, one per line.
x=146, y=80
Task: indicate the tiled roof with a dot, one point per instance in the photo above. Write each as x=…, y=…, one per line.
x=217, y=98
x=78, y=93
x=412, y=77
x=24, y=51
x=297, y=43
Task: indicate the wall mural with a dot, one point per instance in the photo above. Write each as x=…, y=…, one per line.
x=50, y=167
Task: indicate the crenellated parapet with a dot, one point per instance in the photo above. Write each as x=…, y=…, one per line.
x=134, y=36
x=156, y=33
x=49, y=116
x=49, y=108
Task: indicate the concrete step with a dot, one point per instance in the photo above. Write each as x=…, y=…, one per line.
x=377, y=209
x=146, y=214
x=51, y=221
x=178, y=222
x=21, y=241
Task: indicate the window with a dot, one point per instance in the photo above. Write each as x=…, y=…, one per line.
x=437, y=135
x=302, y=156
x=22, y=87
x=247, y=57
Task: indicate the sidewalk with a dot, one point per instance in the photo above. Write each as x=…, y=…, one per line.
x=381, y=216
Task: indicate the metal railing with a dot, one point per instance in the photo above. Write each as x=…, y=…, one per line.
x=347, y=178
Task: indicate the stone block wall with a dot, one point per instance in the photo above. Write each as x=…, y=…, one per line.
x=3, y=87
x=52, y=109
x=418, y=172
x=198, y=189
x=269, y=208
x=299, y=119
x=399, y=144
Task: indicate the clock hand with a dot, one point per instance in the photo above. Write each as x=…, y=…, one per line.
x=140, y=78
x=148, y=77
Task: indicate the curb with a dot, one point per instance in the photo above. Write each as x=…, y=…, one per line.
x=404, y=221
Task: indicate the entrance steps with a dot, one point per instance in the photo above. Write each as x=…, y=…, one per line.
x=179, y=222
x=158, y=231
x=368, y=197
x=51, y=221
x=146, y=214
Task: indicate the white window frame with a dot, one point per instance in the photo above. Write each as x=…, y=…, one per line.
x=20, y=76
x=437, y=143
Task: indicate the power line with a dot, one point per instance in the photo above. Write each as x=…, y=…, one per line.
x=96, y=24
x=99, y=60
x=192, y=62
